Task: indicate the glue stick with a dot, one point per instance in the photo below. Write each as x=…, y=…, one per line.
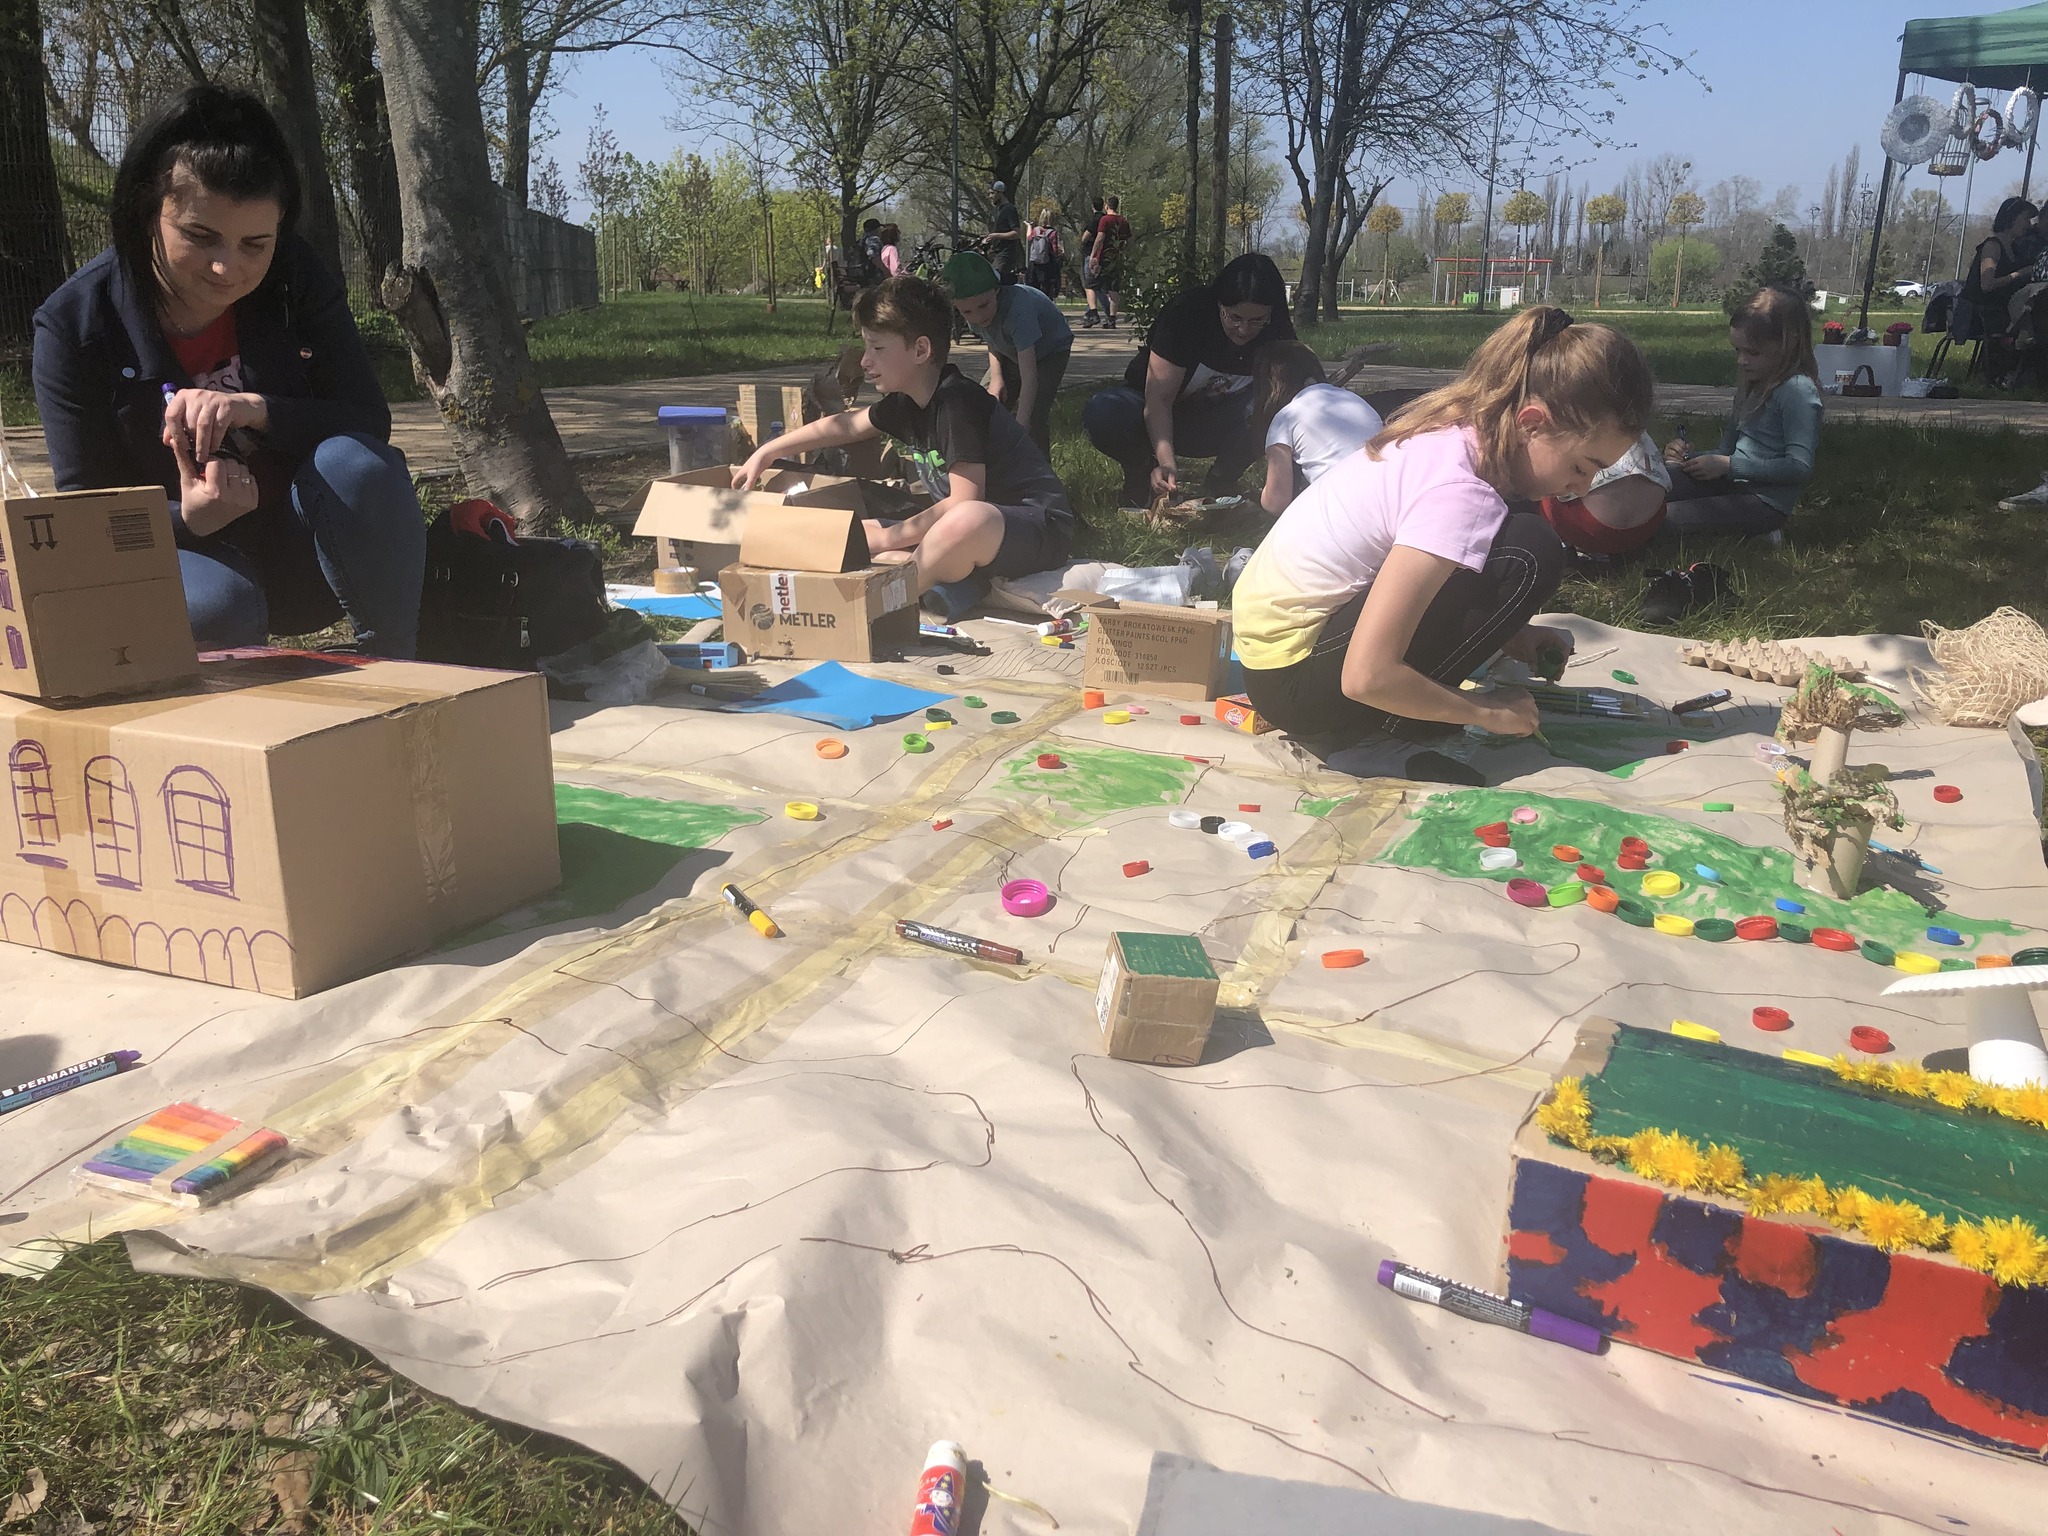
x=941, y=1491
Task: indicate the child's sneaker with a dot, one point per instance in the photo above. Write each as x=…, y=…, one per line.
x=2035, y=500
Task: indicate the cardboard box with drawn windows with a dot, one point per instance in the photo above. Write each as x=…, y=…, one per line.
x=285, y=823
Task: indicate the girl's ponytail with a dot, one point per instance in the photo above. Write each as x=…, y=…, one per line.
x=1280, y=371
x=1589, y=377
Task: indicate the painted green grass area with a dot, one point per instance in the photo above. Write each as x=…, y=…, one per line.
x=1321, y=806
x=1751, y=878
x=614, y=847
x=1787, y=1118
x=1097, y=780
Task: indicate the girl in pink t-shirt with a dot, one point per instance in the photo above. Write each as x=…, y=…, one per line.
x=1394, y=575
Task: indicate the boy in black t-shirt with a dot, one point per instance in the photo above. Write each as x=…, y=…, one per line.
x=998, y=509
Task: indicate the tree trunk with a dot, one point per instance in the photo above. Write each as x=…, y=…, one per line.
x=1190, y=234
x=284, y=60
x=373, y=172
x=34, y=250
x=454, y=297
x=1219, y=145
x=518, y=99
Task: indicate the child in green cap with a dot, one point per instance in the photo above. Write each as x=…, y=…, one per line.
x=1028, y=340
x=997, y=507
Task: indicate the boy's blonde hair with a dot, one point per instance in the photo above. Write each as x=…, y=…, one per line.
x=1589, y=377
x=1777, y=323
x=908, y=307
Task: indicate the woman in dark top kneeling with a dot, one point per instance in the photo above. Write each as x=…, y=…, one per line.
x=209, y=351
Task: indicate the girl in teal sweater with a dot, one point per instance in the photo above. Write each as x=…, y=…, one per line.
x=1752, y=482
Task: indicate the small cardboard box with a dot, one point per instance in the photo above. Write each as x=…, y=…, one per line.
x=861, y=615
x=1235, y=710
x=1157, y=999
x=91, y=600
x=697, y=518
x=284, y=823
x=1152, y=648
x=762, y=405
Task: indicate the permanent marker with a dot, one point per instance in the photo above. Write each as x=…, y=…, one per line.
x=1485, y=1307
x=958, y=943
x=51, y=1084
x=1704, y=701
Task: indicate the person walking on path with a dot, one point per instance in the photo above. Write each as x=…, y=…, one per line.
x=1004, y=241
x=1189, y=389
x=1029, y=341
x=1112, y=234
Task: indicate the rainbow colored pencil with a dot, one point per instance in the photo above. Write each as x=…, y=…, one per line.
x=156, y=1160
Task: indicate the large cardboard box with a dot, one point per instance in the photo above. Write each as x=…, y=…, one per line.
x=802, y=588
x=696, y=517
x=1153, y=648
x=91, y=601
x=283, y=823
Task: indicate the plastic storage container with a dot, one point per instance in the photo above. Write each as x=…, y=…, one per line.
x=698, y=437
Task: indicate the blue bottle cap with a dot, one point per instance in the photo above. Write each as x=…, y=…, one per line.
x=1262, y=849
x=1707, y=872
x=1944, y=936
x=1786, y=904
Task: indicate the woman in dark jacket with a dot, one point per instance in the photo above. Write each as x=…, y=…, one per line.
x=210, y=352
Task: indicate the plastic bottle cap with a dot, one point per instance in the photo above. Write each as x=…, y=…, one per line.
x=1831, y=938
x=933, y=727
x=1717, y=805
x=1136, y=868
x=1877, y=953
x=1262, y=849
x=1491, y=829
x=1662, y=882
x=1947, y=794
x=1787, y=904
x=1673, y=748
x=1524, y=815
x=827, y=747
x=1234, y=829
x=1527, y=893
x=1993, y=962
x=1565, y=895
x=1050, y=760
x=1342, y=959
x=1708, y=873
x=1499, y=858
x=973, y=703
x=1003, y=717
x=1116, y=717
x=1026, y=898
x=1565, y=853
x=1634, y=913
x=1190, y=719
x=1956, y=963
x=1868, y=1037
x=800, y=810
x=1795, y=933
x=934, y=714
x=1211, y=824
x=1185, y=819
x=1944, y=936
x=942, y=823
x=1913, y=963
x=1139, y=709
x=1715, y=930
x=1092, y=698
x=1632, y=862
x=1622, y=677
x=1252, y=808
x=1592, y=875
x=1772, y=1019
x=2034, y=956
x=1636, y=846
x=916, y=743
x=1602, y=898
x=1759, y=927
x=1676, y=924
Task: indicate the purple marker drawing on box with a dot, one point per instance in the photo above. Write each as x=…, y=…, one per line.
x=202, y=832
x=6, y=590
x=17, y=650
x=35, y=803
x=115, y=822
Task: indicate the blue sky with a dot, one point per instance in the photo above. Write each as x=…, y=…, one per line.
x=1793, y=84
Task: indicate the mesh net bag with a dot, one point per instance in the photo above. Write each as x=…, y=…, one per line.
x=1987, y=671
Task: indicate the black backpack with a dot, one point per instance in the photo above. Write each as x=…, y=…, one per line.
x=491, y=602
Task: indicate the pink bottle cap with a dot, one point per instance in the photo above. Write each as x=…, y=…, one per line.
x=1026, y=898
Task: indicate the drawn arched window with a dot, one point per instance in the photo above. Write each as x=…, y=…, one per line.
x=35, y=803
x=202, y=838
x=114, y=823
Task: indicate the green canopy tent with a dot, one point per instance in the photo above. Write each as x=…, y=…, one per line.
x=1999, y=52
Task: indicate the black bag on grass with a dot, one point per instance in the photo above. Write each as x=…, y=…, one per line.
x=491, y=601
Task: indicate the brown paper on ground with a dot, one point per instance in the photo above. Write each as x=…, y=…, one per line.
x=763, y=1219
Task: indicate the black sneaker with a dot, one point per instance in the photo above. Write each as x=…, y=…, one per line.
x=1090, y=320
x=1674, y=594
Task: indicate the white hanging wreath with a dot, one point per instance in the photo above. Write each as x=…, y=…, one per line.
x=1963, y=109
x=2024, y=100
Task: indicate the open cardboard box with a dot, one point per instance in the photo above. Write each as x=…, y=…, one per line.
x=803, y=588
x=697, y=518
x=91, y=599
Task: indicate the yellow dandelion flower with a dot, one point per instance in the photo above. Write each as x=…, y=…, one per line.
x=1569, y=1095
x=1889, y=1224
x=2018, y=1254
x=1967, y=1242
x=1643, y=1148
x=1999, y=1101
x=1723, y=1167
x=2029, y=1103
x=1953, y=1090
x=1868, y=1073
x=1908, y=1077
x=1815, y=1195
x=1678, y=1160
x=1928, y=1230
x=1846, y=1206
x=1776, y=1192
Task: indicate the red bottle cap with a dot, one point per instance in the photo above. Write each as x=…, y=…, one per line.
x=1632, y=861
x=1756, y=928
x=1050, y=760
x=1342, y=959
x=1491, y=829
x=1673, y=748
x=1834, y=938
x=1591, y=875
x=1772, y=1019
x=1247, y=807
x=1190, y=719
x=1136, y=868
x=1868, y=1037
x=942, y=823
x=1636, y=846
x=1947, y=794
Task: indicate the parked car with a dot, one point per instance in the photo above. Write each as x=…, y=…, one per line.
x=1906, y=288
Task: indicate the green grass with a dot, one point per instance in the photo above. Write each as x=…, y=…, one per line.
x=174, y=1406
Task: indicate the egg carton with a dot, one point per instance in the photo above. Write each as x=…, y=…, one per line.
x=1765, y=661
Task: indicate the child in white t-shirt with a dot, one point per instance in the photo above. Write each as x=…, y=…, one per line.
x=1393, y=577
x=1309, y=424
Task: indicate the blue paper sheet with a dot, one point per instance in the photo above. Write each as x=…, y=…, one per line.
x=684, y=605
x=831, y=695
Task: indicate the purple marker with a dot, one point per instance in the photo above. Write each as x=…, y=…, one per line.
x=1485, y=1307
x=36, y=1089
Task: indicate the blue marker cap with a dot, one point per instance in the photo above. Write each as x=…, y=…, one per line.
x=1786, y=904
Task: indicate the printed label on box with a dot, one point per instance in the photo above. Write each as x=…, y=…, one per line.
x=782, y=592
x=1105, y=994
x=896, y=594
